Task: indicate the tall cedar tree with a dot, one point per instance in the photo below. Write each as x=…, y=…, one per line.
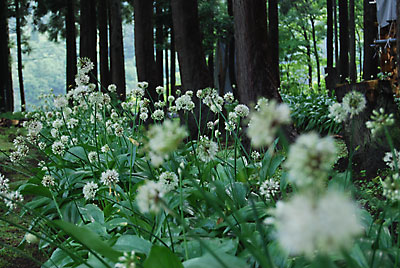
x=6, y=90
x=144, y=45
x=117, y=49
x=88, y=35
x=19, y=52
x=352, y=45
x=192, y=63
x=329, y=33
x=102, y=8
x=344, y=40
x=173, y=61
x=254, y=73
x=370, y=32
x=159, y=46
x=273, y=25
x=70, y=37
x=231, y=51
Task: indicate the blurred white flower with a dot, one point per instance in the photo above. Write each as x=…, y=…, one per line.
x=169, y=180
x=265, y=122
x=206, y=149
x=310, y=159
x=308, y=226
x=354, y=102
x=337, y=112
x=149, y=195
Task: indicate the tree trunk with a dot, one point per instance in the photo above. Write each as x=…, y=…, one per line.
x=254, y=74
x=173, y=61
x=273, y=25
x=19, y=55
x=159, y=47
x=231, y=55
x=329, y=33
x=309, y=62
x=103, y=44
x=316, y=51
x=344, y=40
x=352, y=46
x=70, y=43
x=192, y=63
x=88, y=35
x=144, y=45
x=335, y=24
x=117, y=50
x=370, y=34
x=210, y=65
x=167, y=85
x=6, y=90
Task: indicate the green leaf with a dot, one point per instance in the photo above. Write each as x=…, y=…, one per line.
x=38, y=190
x=75, y=154
x=162, y=257
x=93, y=213
x=132, y=242
x=207, y=261
x=89, y=239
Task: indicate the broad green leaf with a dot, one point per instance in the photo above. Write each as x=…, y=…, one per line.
x=162, y=257
x=89, y=239
x=132, y=242
x=38, y=190
x=208, y=261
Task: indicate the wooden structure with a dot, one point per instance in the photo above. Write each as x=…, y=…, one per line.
x=380, y=93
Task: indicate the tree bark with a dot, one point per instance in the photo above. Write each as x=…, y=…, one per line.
x=253, y=73
x=192, y=63
x=309, y=62
x=103, y=44
x=159, y=47
x=329, y=33
x=70, y=43
x=273, y=27
x=117, y=50
x=167, y=85
x=316, y=55
x=210, y=66
x=370, y=34
x=231, y=55
x=19, y=55
x=335, y=24
x=352, y=46
x=344, y=40
x=88, y=35
x=144, y=45
x=6, y=90
x=173, y=61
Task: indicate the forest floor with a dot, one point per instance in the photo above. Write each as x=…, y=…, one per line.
x=11, y=236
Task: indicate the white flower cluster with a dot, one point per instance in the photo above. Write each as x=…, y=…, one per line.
x=149, y=196
x=265, y=122
x=48, y=181
x=269, y=188
x=169, y=180
x=389, y=160
x=164, y=139
x=184, y=103
x=353, y=103
x=21, y=150
x=206, y=149
x=306, y=225
x=379, y=120
x=89, y=190
x=127, y=260
x=109, y=177
x=212, y=99
x=4, y=184
x=310, y=160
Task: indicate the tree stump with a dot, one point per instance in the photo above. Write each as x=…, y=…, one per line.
x=369, y=151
